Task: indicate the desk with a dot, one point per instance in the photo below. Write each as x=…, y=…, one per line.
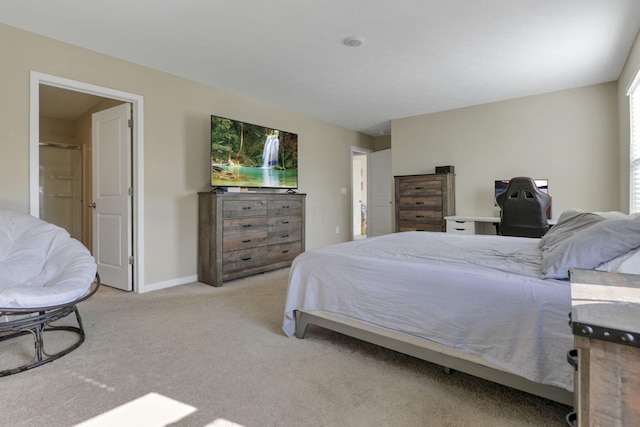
x=471, y=224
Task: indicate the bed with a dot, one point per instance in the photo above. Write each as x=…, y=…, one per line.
x=495, y=307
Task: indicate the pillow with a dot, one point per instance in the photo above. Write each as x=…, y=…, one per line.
x=613, y=215
x=570, y=222
x=628, y=263
x=590, y=247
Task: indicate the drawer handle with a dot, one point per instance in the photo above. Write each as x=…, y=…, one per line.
x=285, y=235
x=419, y=203
x=246, y=259
x=285, y=222
x=572, y=358
x=285, y=207
x=246, y=225
x=246, y=207
x=419, y=188
x=419, y=216
x=459, y=229
x=419, y=229
x=246, y=241
x=284, y=252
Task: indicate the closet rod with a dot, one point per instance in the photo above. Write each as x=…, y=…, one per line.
x=60, y=145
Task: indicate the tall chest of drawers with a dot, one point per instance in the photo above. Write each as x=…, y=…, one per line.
x=241, y=234
x=422, y=201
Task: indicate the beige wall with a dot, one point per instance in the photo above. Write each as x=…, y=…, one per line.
x=176, y=150
x=382, y=142
x=569, y=137
x=628, y=72
x=57, y=130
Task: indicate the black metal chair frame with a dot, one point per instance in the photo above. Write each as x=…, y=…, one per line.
x=36, y=321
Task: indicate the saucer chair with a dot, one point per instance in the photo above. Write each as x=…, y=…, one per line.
x=44, y=274
x=523, y=209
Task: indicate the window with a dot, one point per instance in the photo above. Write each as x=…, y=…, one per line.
x=634, y=153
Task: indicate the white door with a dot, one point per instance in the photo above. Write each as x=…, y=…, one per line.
x=380, y=184
x=111, y=145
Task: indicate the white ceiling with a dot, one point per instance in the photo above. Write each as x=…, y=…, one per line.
x=419, y=56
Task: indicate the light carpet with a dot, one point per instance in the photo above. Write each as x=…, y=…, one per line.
x=195, y=355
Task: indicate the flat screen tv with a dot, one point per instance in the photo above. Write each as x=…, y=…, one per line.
x=248, y=155
x=500, y=186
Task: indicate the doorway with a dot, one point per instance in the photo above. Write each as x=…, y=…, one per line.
x=107, y=97
x=66, y=166
x=61, y=186
x=371, y=194
x=359, y=192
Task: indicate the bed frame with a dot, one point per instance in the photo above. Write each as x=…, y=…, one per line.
x=419, y=348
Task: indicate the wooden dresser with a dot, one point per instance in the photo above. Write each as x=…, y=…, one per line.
x=605, y=318
x=422, y=201
x=240, y=234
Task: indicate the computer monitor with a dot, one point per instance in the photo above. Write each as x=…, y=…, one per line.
x=501, y=185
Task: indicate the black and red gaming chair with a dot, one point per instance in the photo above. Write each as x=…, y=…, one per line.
x=523, y=209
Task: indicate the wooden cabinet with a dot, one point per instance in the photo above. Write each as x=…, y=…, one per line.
x=422, y=201
x=240, y=234
x=604, y=317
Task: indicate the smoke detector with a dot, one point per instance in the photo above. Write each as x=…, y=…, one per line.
x=353, y=41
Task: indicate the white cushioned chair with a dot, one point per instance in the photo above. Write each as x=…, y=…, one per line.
x=44, y=273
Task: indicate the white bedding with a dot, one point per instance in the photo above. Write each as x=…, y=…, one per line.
x=477, y=294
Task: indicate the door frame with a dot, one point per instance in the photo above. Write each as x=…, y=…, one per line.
x=358, y=151
x=137, y=155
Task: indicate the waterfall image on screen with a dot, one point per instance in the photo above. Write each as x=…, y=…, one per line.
x=247, y=155
x=270, y=152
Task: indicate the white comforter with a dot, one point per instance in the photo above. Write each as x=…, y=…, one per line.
x=477, y=294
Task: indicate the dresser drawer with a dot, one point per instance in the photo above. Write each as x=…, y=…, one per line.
x=416, y=226
x=282, y=236
x=244, y=241
x=243, y=208
x=249, y=225
x=243, y=259
x=419, y=186
x=284, y=207
x=284, y=229
x=461, y=227
x=421, y=202
x=284, y=251
x=416, y=215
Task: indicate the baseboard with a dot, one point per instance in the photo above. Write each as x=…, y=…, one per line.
x=149, y=287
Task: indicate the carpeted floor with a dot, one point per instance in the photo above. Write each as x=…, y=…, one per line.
x=196, y=355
